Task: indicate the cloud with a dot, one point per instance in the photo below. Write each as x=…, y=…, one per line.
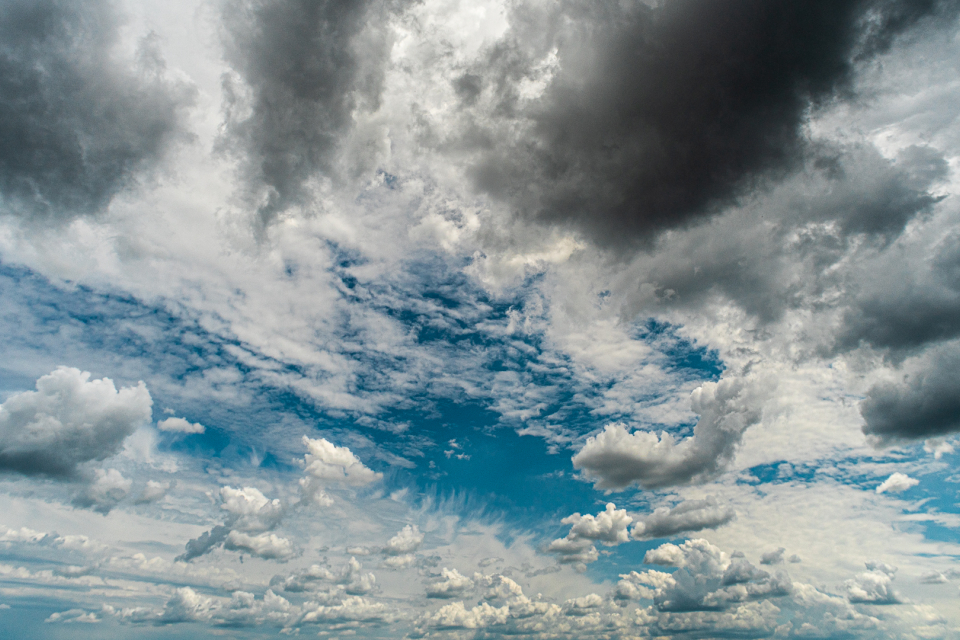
x=153, y=492
x=67, y=421
x=873, y=586
x=772, y=557
x=406, y=541
x=266, y=545
x=450, y=585
x=616, y=458
x=689, y=516
x=706, y=579
x=179, y=425
x=609, y=527
x=301, y=69
x=326, y=463
x=107, y=489
x=896, y=483
x=77, y=122
x=656, y=116
x=354, y=581
x=249, y=511
x=925, y=405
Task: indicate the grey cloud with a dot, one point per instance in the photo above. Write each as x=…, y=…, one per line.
x=300, y=70
x=77, y=125
x=689, y=516
x=67, y=421
x=616, y=458
x=662, y=115
x=925, y=404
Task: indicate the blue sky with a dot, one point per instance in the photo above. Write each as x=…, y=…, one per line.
x=479, y=320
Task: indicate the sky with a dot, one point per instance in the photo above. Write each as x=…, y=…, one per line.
x=472, y=320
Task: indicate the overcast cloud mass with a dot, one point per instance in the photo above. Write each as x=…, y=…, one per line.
x=446, y=319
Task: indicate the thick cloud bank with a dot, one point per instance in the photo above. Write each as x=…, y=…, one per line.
x=617, y=458
x=659, y=115
x=67, y=421
x=301, y=68
x=77, y=124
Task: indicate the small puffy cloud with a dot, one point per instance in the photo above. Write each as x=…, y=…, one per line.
x=153, y=492
x=450, y=585
x=875, y=586
x=351, y=609
x=406, y=541
x=400, y=562
x=617, y=458
x=691, y=515
x=896, y=483
x=108, y=488
x=250, y=510
x=266, y=545
x=773, y=557
x=67, y=421
x=72, y=615
x=325, y=463
x=938, y=447
x=186, y=605
x=351, y=576
x=608, y=526
x=179, y=425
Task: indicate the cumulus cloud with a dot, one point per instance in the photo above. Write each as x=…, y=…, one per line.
x=874, y=586
x=153, y=492
x=706, y=579
x=265, y=545
x=407, y=540
x=608, y=527
x=896, y=483
x=689, y=516
x=350, y=576
x=77, y=122
x=179, y=425
x=325, y=463
x=248, y=511
x=617, y=458
x=659, y=115
x=67, y=421
x=107, y=489
x=451, y=584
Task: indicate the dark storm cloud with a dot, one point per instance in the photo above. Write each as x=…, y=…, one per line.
x=76, y=125
x=659, y=116
x=302, y=67
x=924, y=405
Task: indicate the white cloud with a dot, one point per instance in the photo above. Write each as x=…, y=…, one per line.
x=406, y=541
x=617, y=458
x=179, y=425
x=874, y=586
x=450, y=585
x=609, y=526
x=67, y=421
x=689, y=516
x=896, y=483
x=326, y=463
x=265, y=545
x=250, y=509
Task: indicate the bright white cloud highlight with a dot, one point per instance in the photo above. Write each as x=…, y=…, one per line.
x=179, y=425
x=896, y=483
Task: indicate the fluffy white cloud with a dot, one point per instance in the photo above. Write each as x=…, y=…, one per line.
x=689, y=516
x=617, y=458
x=450, y=585
x=608, y=527
x=325, y=463
x=407, y=540
x=896, y=483
x=250, y=510
x=874, y=586
x=67, y=421
x=179, y=425
x=153, y=492
x=265, y=545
